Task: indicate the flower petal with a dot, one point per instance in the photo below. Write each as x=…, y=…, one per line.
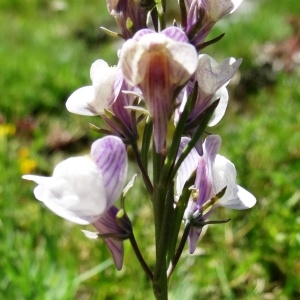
x=132, y=55
x=92, y=100
x=187, y=167
x=91, y=234
x=222, y=95
x=247, y=199
x=183, y=62
x=193, y=238
x=235, y=197
x=107, y=225
x=219, y=9
x=211, y=147
x=109, y=153
x=103, y=78
x=176, y=34
x=80, y=102
x=238, y=199
x=203, y=181
x=137, y=36
x=139, y=61
x=211, y=76
x=48, y=198
x=75, y=192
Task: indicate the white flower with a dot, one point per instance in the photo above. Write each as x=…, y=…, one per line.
x=158, y=64
x=217, y=9
x=82, y=189
x=211, y=76
x=92, y=100
x=214, y=173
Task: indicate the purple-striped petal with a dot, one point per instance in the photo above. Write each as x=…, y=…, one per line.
x=109, y=153
x=141, y=33
x=176, y=34
x=119, y=80
x=129, y=11
x=203, y=181
x=193, y=238
x=158, y=64
x=187, y=167
x=211, y=147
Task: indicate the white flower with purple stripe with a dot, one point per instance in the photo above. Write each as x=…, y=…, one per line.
x=211, y=11
x=83, y=190
x=213, y=173
x=158, y=64
x=212, y=79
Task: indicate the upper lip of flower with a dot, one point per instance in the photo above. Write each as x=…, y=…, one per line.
x=159, y=64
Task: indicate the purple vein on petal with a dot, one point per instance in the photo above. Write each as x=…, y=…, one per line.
x=141, y=33
x=109, y=154
x=176, y=34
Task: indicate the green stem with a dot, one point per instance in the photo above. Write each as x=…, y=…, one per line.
x=159, y=215
x=165, y=177
x=173, y=149
x=148, y=129
x=178, y=216
x=179, y=250
x=160, y=7
x=140, y=257
x=158, y=195
x=146, y=178
x=164, y=239
x=160, y=283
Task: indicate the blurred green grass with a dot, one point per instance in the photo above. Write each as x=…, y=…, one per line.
x=46, y=50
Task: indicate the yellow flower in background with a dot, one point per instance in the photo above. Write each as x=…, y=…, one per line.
x=7, y=130
x=26, y=164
